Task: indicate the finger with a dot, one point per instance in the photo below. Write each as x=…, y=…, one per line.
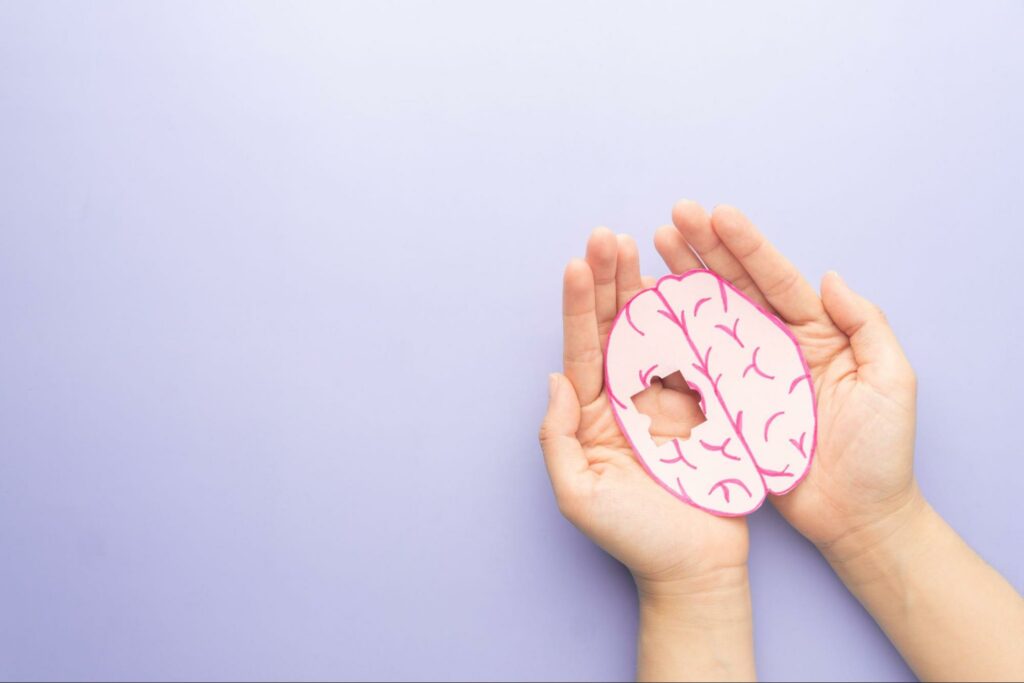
x=648, y=282
x=694, y=224
x=602, y=251
x=674, y=250
x=778, y=280
x=880, y=359
x=563, y=454
x=582, y=351
x=627, y=271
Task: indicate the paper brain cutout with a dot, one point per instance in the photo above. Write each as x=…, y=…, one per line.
x=755, y=388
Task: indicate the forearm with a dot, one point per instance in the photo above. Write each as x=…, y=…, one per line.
x=951, y=615
x=700, y=631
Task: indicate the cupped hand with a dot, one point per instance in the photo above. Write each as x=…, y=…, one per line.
x=861, y=482
x=598, y=482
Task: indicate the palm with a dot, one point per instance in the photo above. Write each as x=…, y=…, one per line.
x=626, y=504
x=865, y=390
x=854, y=418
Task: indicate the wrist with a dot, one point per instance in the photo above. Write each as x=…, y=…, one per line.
x=876, y=544
x=699, y=629
x=718, y=583
x=716, y=595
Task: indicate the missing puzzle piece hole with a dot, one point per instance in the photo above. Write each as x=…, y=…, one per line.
x=673, y=406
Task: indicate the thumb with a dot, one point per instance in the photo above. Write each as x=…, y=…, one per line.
x=879, y=357
x=562, y=451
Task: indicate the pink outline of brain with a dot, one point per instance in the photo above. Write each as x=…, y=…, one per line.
x=755, y=387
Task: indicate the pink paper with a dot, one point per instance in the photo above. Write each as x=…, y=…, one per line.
x=755, y=388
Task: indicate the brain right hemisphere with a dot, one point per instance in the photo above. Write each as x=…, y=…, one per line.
x=755, y=390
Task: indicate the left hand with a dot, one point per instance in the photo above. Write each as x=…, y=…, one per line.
x=669, y=546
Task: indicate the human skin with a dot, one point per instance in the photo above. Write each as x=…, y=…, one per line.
x=690, y=567
x=860, y=503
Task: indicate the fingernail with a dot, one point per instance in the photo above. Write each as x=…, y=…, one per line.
x=836, y=275
x=552, y=383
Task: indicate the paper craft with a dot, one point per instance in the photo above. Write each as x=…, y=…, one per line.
x=754, y=385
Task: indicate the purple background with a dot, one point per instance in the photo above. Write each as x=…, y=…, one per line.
x=279, y=289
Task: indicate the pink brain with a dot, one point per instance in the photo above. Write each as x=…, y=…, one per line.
x=755, y=388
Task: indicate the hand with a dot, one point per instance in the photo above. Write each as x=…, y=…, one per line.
x=671, y=548
x=861, y=485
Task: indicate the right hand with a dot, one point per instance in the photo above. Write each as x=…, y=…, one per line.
x=861, y=485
